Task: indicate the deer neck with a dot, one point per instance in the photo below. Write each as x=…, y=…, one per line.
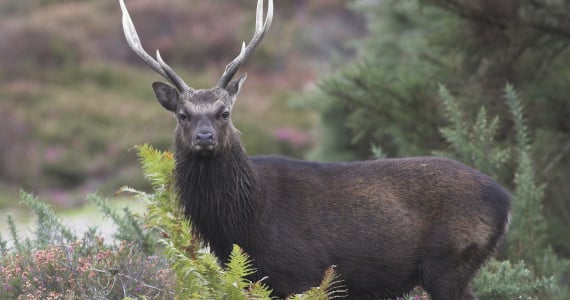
x=219, y=195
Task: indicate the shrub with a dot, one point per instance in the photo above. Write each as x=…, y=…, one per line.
x=503, y=280
x=475, y=145
x=198, y=276
x=58, y=264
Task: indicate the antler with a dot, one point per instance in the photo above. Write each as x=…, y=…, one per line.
x=260, y=29
x=158, y=65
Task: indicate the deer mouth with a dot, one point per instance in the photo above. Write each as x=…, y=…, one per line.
x=205, y=148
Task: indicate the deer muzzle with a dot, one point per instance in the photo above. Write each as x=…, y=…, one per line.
x=204, y=141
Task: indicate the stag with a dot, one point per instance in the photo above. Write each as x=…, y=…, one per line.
x=388, y=225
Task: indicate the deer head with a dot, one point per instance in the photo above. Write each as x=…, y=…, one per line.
x=203, y=115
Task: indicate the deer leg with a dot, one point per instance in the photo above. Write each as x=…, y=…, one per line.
x=449, y=279
x=468, y=295
x=444, y=287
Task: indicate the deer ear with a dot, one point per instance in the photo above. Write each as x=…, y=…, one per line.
x=167, y=96
x=235, y=86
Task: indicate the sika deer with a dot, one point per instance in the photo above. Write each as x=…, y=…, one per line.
x=388, y=225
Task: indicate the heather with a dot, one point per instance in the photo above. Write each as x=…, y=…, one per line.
x=335, y=80
x=155, y=255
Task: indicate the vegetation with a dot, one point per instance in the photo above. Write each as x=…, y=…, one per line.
x=386, y=103
x=526, y=243
x=503, y=280
x=73, y=106
x=153, y=255
x=75, y=98
x=57, y=263
x=388, y=96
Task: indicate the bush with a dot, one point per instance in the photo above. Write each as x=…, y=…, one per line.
x=475, y=145
x=503, y=280
x=154, y=256
x=58, y=264
x=388, y=96
x=198, y=276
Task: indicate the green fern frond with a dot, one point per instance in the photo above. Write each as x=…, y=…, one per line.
x=189, y=283
x=330, y=288
x=157, y=165
x=129, y=190
x=239, y=266
x=237, y=269
x=259, y=291
x=332, y=284
x=197, y=274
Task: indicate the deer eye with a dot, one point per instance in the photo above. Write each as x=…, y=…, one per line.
x=182, y=117
x=225, y=115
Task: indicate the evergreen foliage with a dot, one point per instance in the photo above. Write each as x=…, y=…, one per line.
x=383, y=97
x=49, y=227
x=130, y=227
x=476, y=144
x=526, y=241
x=503, y=280
x=388, y=97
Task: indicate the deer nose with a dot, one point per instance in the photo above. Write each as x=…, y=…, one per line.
x=204, y=137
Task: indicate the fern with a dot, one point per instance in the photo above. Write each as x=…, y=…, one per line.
x=157, y=166
x=238, y=267
x=330, y=288
x=198, y=275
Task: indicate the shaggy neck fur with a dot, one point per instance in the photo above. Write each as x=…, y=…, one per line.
x=218, y=194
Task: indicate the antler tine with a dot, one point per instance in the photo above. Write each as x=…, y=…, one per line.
x=135, y=43
x=260, y=29
x=171, y=75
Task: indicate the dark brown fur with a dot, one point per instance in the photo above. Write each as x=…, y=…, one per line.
x=388, y=225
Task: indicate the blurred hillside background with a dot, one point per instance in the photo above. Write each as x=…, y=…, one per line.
x=333, y=80
x=75, y=99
